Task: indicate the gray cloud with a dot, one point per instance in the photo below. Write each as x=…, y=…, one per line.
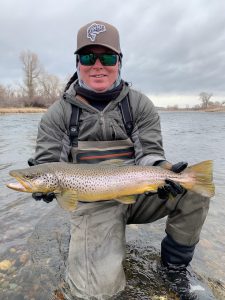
x=170, y=47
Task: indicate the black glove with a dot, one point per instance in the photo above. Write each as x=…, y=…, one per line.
x=32, y=162
x=171, y=187
x=45, y=197
x=48, y=197
x=179, y=167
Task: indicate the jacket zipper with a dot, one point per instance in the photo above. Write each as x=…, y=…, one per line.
x=102, y=123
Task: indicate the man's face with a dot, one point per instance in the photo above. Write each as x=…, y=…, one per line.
x=98, y=77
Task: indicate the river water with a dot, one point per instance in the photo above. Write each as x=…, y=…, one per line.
x=188, y=136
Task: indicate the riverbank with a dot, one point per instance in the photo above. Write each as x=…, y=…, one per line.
x=220, y=109
x=12, y=110
x=6, y=110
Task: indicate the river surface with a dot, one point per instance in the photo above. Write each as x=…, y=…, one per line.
x=187, y=136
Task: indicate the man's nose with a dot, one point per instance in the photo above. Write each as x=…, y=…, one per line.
x=98, y=63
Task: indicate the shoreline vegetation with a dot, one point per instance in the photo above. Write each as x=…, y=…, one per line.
x=209, y=109
x=12, y=110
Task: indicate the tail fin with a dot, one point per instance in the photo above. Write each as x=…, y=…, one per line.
x=202, y=174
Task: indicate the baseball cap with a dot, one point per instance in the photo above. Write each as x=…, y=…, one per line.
x=98, y=33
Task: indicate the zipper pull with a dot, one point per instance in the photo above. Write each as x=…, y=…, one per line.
x=101, y=118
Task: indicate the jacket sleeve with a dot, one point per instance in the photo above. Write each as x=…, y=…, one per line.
x=53, y=143
x=146, y=135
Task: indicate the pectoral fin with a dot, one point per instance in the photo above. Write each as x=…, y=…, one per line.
x=171, y=197
x=127, y=199
x=67, y=200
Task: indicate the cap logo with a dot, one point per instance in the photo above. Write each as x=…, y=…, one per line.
x=95, y=29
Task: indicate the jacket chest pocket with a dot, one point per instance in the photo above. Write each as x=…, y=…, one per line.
x=89, y=127
x=116, y=126
x=118, y=131
x=103, y=126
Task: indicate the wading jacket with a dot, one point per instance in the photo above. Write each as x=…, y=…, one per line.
x=53, y=143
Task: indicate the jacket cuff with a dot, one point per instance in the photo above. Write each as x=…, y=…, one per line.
x=150, y=160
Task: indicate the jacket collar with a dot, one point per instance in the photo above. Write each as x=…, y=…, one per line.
x=71, y=97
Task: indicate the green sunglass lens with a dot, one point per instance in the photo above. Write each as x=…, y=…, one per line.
x=87, y=59
x=105, y=59
x=108, y=59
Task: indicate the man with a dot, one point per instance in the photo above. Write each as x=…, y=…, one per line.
x=99, y=118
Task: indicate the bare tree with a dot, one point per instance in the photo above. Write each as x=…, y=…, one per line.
x=31, y=69
x=205, y=99
x=2, y=92
x=39, y=88
x=50, y=87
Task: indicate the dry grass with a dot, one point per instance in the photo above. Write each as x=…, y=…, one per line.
x=6, y=110
x=216, y=109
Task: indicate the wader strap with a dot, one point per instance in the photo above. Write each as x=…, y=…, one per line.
x=127, y=116
x=74, y=125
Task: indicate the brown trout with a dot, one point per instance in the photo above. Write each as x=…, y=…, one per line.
x=95, y=182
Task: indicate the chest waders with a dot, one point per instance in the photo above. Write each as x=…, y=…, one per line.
x=97, y=245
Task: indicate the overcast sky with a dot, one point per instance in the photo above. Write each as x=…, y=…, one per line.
x=173, y=49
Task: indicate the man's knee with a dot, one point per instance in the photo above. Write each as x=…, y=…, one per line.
x=185, y=222
x=97, y=245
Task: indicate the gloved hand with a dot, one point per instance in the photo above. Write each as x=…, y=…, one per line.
x=45, y=197
x=171, y=187
x=48, y=197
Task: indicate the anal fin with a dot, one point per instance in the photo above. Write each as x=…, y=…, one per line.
x=127, y=199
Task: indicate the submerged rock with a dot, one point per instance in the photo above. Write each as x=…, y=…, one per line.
x=5, y=265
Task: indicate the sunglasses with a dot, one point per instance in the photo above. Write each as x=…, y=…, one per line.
x=105, y=59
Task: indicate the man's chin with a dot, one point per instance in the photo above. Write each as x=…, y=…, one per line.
x=99, y=85
x=100, y=88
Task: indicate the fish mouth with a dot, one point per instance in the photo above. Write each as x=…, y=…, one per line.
x=21, y=185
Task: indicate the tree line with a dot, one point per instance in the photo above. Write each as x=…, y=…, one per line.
x=38, y=88
x=205, y=103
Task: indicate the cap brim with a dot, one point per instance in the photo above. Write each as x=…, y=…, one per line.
x=96, y=44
